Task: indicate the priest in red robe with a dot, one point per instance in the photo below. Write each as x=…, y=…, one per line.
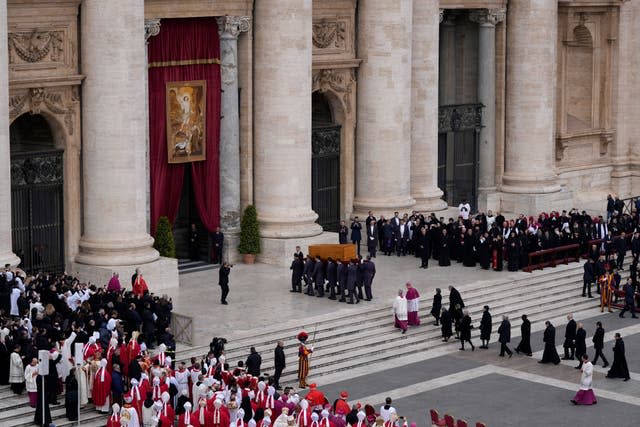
x=220, y=414
x=101, y=393
x=114, y=419
x=187, y=418
x=138, y=283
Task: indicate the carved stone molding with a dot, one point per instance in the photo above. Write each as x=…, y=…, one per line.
x=329, y=34
x=232, y=26
x=151, y=28
x=453, y=118
x=58, y=102
x=339, y=81
x=606, y=138
x=36, y=46
x=489, y=17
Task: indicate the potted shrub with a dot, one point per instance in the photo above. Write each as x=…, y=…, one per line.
x=164, y=243
x=249, y=235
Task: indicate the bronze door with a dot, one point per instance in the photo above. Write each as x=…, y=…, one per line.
x=325, y=176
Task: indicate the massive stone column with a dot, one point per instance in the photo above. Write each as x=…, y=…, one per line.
x=113, y=125
x=229, y=28
x=383, y=147
x=529, y=179
x=487, y=20
x=282, y=119
x=424, y=131
x=6, y=254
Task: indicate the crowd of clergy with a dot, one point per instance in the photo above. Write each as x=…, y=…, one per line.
x=492, y=241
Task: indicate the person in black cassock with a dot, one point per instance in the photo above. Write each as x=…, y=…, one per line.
x=455, y=298
x=484, y=257
x=279, y=364
x=550, y=355
x=444, y=255
x=436, y=307
x=513, y=252
x=581, y=344
x=465, y=331
x=525, y=337
x=469, y=250
x=225, y=269
x=485, y=327
x=505, y=336
x=43, y=419
x=71, y=396
x=619, y=368
x=445, y=325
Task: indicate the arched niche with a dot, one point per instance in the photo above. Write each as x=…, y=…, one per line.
x=580, y=80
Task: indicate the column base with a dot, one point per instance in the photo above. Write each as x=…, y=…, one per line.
x=386, y=207
x=287, y=226
x=534, y=203
x=9, y=258
x=429, y=201
x=117, y=252
x=159, y=274
x=488, y=200
x=280, y=251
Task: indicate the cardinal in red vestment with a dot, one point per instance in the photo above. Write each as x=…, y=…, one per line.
x=101, y=393
x=220, y=414
x=114, y=419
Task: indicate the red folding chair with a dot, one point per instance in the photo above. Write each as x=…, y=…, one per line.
x=435, y=419
x=480, y=424
x=449, y=421
x=462, y=423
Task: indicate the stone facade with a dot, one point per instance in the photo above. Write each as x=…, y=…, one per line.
x=557, y=82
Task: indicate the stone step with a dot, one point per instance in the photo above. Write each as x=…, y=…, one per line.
x=363, y=315
x=57, y=416
x=381, y=317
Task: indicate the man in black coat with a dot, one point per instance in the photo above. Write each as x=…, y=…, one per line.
x=569, y=339
x=372, y=238
x=352, y=279
x=485, y=327
x=401, y=238
x=342, y=271
x=217, y=240
x=356, y=233
x=307, y=275
x=254, y=360
x=581, y=344
x=619, y=368
x=343, y=233
x=297, y=267
x=368, y=272
x=318, y=276
x=550, y=355
x=598, y=344
x=588, y=277
x=332, y=277
x=505, y=336
x=223, y=281
x=455, y=298
x=279, y=364
x=629, y=303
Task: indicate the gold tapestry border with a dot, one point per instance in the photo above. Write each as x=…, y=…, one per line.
x=184, y=62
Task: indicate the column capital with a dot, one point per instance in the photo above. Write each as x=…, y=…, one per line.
x=151, y=28
x=441, y=15
x=488, y=17
x=232, y=26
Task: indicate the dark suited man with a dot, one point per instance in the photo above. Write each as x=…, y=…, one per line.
x=581, y=344
x=343, y=272
x=402, y=238
x=370, y=219
x=307, y=275
x=332, y=277
x=356, y=235
x=297, y=267
x=588, y=277
x=598, y=344
x=217, y=240
x=570, y=338
x=223, y=281
x=395, y=221
x=318, y=276
x=279, y=364
x=343, y=233
x=369, y=272
x=372, y=238
x=352, y=279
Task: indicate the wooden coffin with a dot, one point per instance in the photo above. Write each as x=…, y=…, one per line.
x=336, y=251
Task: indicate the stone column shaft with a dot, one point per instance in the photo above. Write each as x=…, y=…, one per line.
x=531, y=57
x=487, y=20
x=282, y=118
x=229, y=28
x=6, y=254
x=113, y=125
x=424, y=132
x=383, y=147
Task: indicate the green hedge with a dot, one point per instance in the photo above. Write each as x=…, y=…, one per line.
x=249, y=232
x=164, y=238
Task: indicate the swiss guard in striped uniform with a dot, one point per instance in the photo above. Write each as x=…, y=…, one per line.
x=304, y=351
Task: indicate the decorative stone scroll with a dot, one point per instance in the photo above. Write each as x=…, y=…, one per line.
x=151, y=28
x=232, y=26
x=339, y=81
x=55, y=101
x=36, y=46
x=488, y=16
x=329, y=34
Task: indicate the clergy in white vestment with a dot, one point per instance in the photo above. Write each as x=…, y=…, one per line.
x=585, y=396
x=400, y=311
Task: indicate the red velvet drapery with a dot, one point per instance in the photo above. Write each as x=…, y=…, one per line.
x=182, y=41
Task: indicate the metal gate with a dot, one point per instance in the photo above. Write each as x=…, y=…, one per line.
x=37, y=213
x=459, y=127
x=325, y=176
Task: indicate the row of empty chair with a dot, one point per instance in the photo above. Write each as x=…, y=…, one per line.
x=449, y=421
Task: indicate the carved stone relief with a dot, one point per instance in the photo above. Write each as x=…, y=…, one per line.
x=329, y=34
x=36, y=46
x=56, y=101
x=339, y=81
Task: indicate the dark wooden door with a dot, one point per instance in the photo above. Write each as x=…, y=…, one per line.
x=325, y=176
x=37, y=212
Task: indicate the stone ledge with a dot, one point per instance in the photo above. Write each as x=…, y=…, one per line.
x=280, y=251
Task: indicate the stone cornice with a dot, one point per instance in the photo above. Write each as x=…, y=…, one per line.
x=232, y=26
x=488, y=17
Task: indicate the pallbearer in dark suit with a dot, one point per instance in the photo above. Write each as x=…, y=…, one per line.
x=342, y=279
x=372, y=238
x=297, y=267
x=369, y=272
x=308, y=275
x=318, y=276
x=352, y=279
x=332, y=277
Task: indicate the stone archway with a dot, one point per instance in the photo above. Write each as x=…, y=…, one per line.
x=338, y=87
x=60, y=107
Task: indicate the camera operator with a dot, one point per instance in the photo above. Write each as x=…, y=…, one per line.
x=223, y=281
